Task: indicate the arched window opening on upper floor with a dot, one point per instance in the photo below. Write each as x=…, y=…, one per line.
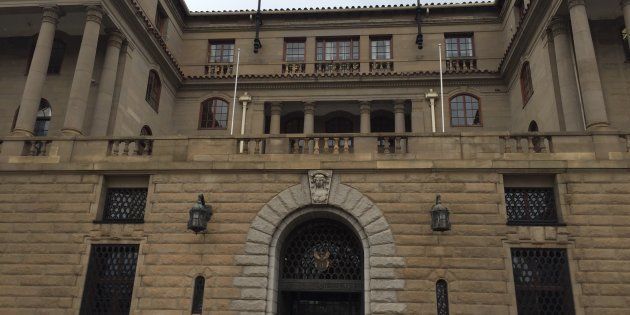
x=42, y=123
x=533, y=126
x=465, y=111
x=154, y=90
x=197, y=300
x=56, y=55
x=146, y=131
x=213, y=114
x=441, y=297
x=382, y=121
x=527, y=87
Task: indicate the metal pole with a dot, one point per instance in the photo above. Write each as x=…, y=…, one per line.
x=238, y=61
x=441, y=87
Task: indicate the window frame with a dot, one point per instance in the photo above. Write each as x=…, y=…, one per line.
x=382, y=38
x=554, y=221
x=294, y=41
x=324, y=40
x=446, y=309
x=199, y=286
x=450, y=104
x=527, y=84
x=459, y=37
x=201, y=112
x=161, y=20
x=223, y=43
x=154, y=90
x=45, y=118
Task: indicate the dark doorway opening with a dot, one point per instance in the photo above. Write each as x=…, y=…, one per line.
x=321, y=303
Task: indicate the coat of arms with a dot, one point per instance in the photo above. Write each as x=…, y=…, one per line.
x=321, y=260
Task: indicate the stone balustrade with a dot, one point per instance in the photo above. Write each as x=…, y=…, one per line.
x=219, y=69
x=494, y=146
x=461, y=64
x=294, y=68
x=381, y=66
x=338, y=67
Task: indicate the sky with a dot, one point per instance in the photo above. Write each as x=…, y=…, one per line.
x=220, y=5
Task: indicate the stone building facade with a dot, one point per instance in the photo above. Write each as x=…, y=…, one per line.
x=322, y=171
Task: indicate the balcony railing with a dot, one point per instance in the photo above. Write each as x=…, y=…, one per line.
x=321, y=145
x=338, y=67
x=461, y=64
x=219, y=69
x=130, y=147
x=532, y=143
x=294, y=68
x=36, y=148
x=381, y=66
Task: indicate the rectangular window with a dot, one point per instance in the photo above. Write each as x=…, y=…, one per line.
x=294, y=50
x=221, y=52
x=125, y=205
x=542, y=281
x=531, y=206
x=161, y=20
x=338, y=49
x=381, y=48
x=459, y=46
x=109, y=279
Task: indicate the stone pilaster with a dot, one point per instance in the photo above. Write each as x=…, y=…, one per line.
x=309, y=118
x=365, y=108
x=32, y=95
x=566, y=74
x=590, y=81
x=274, y=124
x=399, y=116
x=106, y=84
x=80, y=90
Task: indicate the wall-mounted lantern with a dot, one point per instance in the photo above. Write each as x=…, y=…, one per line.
x=440, y=221
x=257, y=42
x=420, y=36
x=200, y=215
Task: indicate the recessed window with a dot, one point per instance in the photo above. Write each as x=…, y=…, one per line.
x=154, y=90
x=381, y=48
x=465, y=111
x=542, y=281
x=213, y=114
x=527, y=87
x=109, y=280
x=338, y=49
x=161, y=20
x=441, y=297
x=294, y=50
x=42, y=122
x=530, y=200
x=459, y=46
x=221, y=51
x=123, y=200
x=197, y=303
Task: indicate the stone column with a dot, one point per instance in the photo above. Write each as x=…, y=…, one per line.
x=80, y=90
x=566, y=75
x=106, y=84
x=590, y=82
x=274, y=124
x=365, y=108
x=309, y=118
x=399, y=116
x=32, y=95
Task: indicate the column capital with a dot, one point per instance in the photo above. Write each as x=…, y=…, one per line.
x=276, y=108
x=559, y=25
x=94, y=13
x=573, y=3
x=365, y=107
x=309, y=107
x=399, y=106
x=115, y=37
x=51, y=14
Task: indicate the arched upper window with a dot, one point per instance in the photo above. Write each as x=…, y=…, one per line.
x=197, y=301
x=42, y=123
x=56, y=55
x=533, y=126
x=154, y=89
x=465, y=111
x=213, y=114
x=441, y=297
x=146, y=131
x=527, y=87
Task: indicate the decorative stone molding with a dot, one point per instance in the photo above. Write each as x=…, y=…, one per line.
x=295, y=205
x=319, y=183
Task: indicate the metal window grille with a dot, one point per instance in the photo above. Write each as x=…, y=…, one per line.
x=109, y=280
x=441, y=293
x=542, y=281
x=125, y=205
x=197, y=302
x=530, y=206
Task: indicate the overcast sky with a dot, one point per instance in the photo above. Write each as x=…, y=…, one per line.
x=219, y=5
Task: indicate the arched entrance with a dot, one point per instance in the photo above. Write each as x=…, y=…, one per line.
x=321, y=270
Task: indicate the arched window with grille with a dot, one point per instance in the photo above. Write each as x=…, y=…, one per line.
x=42, y=123
x=56, y=55
x=197, y=301
x=527, y=87
x=213, y=114
x=154, y=90
x=146, y=131
x=441, y=293
x=533, y=126
x=465, y=111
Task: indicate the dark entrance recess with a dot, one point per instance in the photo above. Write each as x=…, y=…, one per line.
x=321, y=270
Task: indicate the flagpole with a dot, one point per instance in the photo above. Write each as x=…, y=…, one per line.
x=238, y=61
x=441, y=87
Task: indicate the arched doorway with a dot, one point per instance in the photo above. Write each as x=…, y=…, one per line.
x=321, y=270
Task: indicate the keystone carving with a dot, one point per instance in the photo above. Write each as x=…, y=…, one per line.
x=319, y=183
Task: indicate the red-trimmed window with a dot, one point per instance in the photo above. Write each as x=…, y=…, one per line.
x=381, y=48
x=221, y=51
x=465, y=111
x=213, y=114
x=294, y=50
x=527, y=87
x=459, y=46
x=337, y=49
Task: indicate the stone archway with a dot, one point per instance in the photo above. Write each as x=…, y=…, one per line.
x=258, y=279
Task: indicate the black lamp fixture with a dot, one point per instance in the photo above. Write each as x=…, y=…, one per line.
x=440, y=221
x=420, y=37
x=257, y=42
x=200, y=215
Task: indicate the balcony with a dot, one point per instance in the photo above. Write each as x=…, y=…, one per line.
x=294, y=68
x=219, y=70
x=461, y=64
x=338, y=67
x=381, y=66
